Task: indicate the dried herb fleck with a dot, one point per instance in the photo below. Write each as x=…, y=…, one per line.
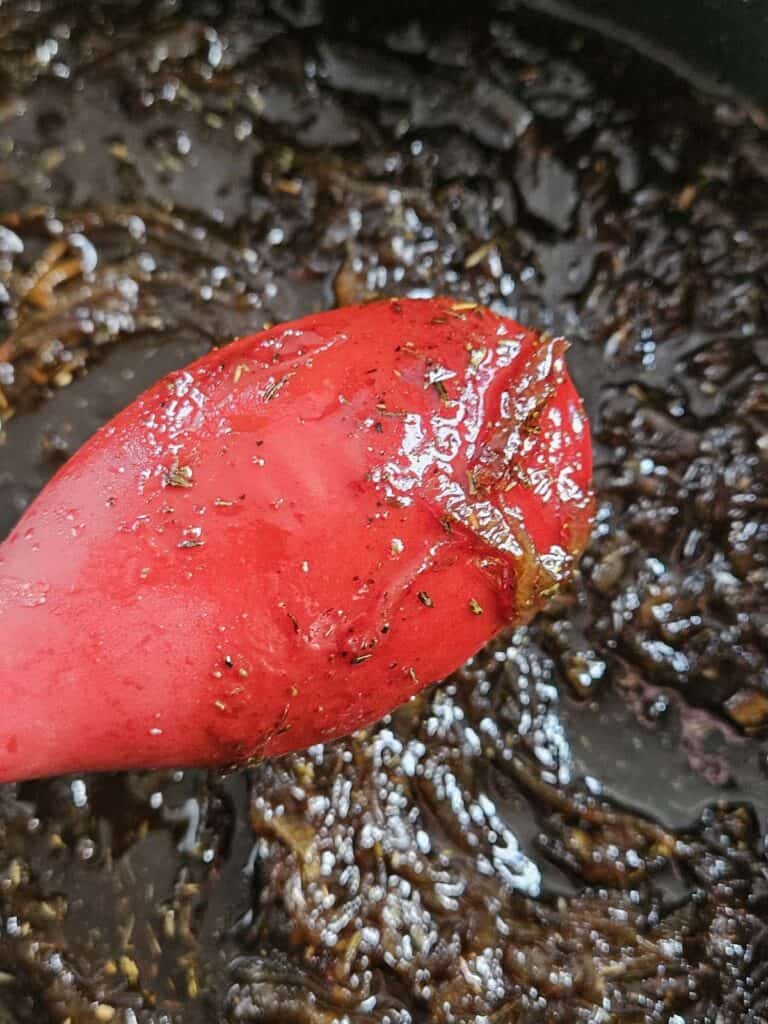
x=179, y=476
x=294, y=621
x=274, y=389
x=425, y=599
x=475, y=607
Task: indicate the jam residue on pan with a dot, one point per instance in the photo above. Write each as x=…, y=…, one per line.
x=572, y=829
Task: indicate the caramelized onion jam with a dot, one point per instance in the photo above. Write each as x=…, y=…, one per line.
x=572, y=828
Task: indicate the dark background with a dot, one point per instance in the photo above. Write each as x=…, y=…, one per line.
x=724, y=40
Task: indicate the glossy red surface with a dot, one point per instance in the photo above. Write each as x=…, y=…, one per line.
x=290, y=537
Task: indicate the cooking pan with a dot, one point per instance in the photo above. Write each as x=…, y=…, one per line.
x=573, y=828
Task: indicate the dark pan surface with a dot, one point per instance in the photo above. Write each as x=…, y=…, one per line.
x=572, y=829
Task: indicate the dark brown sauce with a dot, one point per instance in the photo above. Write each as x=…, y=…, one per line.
x=573, y=828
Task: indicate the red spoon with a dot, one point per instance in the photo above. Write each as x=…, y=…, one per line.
x=288, y=538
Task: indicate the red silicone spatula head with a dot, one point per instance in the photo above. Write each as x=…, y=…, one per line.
x=288, y=538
